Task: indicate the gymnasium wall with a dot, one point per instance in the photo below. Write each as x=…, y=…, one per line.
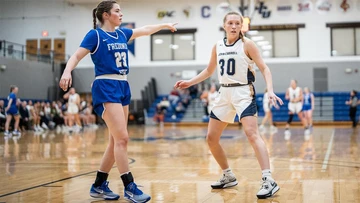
x=33, y=78
x=73, y=21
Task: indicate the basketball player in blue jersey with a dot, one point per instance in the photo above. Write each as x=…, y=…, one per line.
x=111, y=92
x=11, y=111
x=308, y=107
x=235, y=56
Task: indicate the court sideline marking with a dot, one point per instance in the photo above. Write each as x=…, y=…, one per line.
x=328, y=152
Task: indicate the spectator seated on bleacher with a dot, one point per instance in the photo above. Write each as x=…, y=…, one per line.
x=25, y=122
x=179, y=108
x=185, y=97
x=164, y=104
x=193, y=91
x=159, y=115
x=174, y=97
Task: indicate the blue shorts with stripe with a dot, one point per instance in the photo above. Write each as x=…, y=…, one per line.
x=109, y=91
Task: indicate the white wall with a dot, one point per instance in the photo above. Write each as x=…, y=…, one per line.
x=59, y=17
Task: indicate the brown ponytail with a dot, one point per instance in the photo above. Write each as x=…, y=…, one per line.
x=94, y=17
x=103, y=7
x=241, y=36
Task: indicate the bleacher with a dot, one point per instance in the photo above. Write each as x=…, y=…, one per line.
x=329, y=106
x=169, y=111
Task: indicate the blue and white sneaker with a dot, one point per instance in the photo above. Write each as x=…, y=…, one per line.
x=103, y=191
x=7, y=134
x=135, y=195
x=16, y=132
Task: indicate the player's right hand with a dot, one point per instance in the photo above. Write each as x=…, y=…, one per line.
x=182, y=84
x=65, y=81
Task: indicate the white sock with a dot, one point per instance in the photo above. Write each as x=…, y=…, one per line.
x=266, y=173
x=124, y=173
x=228, y=171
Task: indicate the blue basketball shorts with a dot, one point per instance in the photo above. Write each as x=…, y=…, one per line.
x=109, y=91
x=306, y=107
x=12, y=111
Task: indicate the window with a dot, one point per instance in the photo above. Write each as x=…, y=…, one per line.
x=345, y=39
x=275, y=41
x=168, y=46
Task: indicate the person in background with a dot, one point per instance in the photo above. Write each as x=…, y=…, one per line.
x=308, y=107
x=12, y=111
x=353, y=102
x=267, y=106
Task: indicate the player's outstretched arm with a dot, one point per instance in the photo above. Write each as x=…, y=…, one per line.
x=151, y=29
x=206, y=73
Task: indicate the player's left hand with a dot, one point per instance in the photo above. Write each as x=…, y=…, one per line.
x=274, y=99
x=65, y=81
x=182, y=84
x=171, y=27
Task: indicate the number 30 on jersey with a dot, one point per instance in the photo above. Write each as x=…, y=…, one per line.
x=230, y=66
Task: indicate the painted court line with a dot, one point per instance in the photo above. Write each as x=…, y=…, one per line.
x=328, y=152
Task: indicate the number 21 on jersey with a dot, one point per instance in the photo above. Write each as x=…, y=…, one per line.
x=230, y=66
x=120, y=59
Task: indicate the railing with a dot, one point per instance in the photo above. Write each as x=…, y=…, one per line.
x=22, y=52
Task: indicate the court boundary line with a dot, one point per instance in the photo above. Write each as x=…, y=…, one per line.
x=56, y=181
x=328, y=152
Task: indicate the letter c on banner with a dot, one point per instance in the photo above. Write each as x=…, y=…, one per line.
x=205, y=11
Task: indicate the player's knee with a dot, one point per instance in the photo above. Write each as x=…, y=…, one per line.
x=251, y=134
x=121, y=141
x=211, y=139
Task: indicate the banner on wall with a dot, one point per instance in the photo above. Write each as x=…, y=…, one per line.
x=305, y=6
x=323, y=6
x=345, y=5
x=284, y=7
x=163, y=13
x=131, y=44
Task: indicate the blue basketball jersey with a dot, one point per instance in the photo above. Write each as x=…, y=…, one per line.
x=109, y=50
x=13, y=103
x=307, y=99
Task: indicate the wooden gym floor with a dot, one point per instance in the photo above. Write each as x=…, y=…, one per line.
x=173, y=164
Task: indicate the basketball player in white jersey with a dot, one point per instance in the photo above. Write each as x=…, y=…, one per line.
x=73, y=107
x=295, y=96
x=235, y=56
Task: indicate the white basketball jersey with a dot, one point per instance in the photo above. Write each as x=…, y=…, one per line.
x=73, y=98
x=234, y=66
x=294, y=93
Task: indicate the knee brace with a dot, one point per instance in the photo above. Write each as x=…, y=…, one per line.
x=291, y=116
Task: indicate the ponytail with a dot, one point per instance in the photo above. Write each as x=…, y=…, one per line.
x=241, y=36
x=94, y=17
